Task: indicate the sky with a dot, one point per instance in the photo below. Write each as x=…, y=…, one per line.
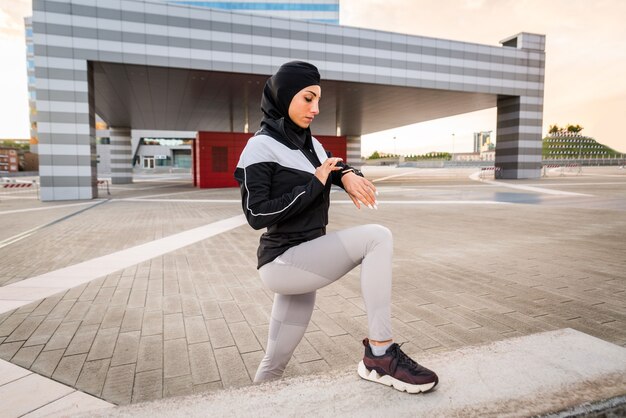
x=585, y=63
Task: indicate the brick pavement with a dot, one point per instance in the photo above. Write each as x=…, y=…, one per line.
x=196, y=319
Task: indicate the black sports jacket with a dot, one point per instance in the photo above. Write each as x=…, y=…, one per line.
x=279, y=191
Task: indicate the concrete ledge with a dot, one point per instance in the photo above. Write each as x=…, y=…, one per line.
x=525, y=376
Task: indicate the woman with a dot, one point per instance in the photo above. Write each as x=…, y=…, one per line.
x=285, y=178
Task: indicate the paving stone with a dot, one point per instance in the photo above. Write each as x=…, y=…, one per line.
x=170, y=287
x=244, y=337
x=305, y=352
x=68, y=369
x=62, y=336
x=219, y=333
x=232, y=370
x=252, y=360
x=25, y=356
x=90, y=293
x=75, y=292
x=25, y=329
x=8, y=350
x=150, y=354
x=111, y=280
x=206, y=388
x=103, y=344
x=43, y=333
x=355, y=326
x=210, y=309
x=148, y=386
x=195, y=329
x=231, y=312
x=190, y=305
x=92, y=376
x=186, y=286
x=12, y=322
x=261, y=332
x=137, y=299
x=118, y=385
x=82, y=340
x=154, y=302
x=113, y=317
x=436, y=333
x=173, y=326
x=104, y=295
x=175, y=358
x=78, y=311
x=25, y=309
x=405, y=333
x=241, y=296
x=256, y=314
x=140, y=283
x=155, y=286
x=222, y=293
x=177, y=386
x=202, y=362
x=126, y=349
x=95, y=314
x=152, y=323
x=47, y=305
x=125, y=282
x=326, y=324
x=120, y=297
x=61, y=309
x=46, y=362
x=133, y=318
x=334, y=354
x=172, y=304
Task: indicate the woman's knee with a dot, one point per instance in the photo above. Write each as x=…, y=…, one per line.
x=379, y=233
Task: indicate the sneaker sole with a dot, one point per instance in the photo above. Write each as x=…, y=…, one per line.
x=373, y=376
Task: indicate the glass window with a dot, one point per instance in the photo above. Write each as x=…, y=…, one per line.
x=29, y=32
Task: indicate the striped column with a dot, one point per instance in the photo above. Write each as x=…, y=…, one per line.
x=353, y=148
x=65, y=124
x=121, y=164
x=518, y=135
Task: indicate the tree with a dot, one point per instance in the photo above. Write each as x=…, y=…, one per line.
x=554, y=129
x=374, y=156
x=574, y=128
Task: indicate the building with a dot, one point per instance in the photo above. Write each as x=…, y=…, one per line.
x=482, y=141
x=30, y=70
x=154, y=150
x=149, y=65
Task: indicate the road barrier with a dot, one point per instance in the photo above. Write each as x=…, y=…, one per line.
x=104, y=183
x=17, y=189
x=485, y=170
x=570, y=168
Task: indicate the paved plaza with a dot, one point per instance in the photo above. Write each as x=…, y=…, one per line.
x=168, y=306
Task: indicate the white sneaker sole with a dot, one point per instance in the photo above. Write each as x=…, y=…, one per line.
x=373, y=376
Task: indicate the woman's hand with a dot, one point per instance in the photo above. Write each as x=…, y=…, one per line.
x=323, y=171
x=360, y=190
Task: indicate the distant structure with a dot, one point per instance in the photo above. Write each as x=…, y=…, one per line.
x=482, y=141
x=572, y=145
x=184, y=66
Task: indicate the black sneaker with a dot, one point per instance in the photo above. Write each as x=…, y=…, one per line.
x=396, y=369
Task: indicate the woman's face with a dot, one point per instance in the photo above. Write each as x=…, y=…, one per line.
x=305, y=106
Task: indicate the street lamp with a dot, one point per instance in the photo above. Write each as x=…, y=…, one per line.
x=452, y=146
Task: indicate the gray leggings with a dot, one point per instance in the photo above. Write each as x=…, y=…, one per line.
x=296, y=275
